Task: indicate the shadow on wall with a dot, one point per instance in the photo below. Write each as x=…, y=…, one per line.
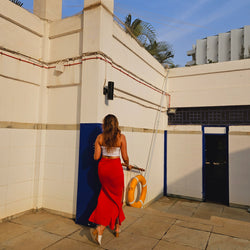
x=239, y=176
x=191, y=185
x=188, y=185
x=78, y=120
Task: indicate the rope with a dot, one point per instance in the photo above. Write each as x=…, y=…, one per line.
x=156, y=125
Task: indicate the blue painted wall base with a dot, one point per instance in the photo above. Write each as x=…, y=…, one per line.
x=88, y=181
x=165, y=162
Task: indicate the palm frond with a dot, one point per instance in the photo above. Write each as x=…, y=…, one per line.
x=146, y=35
x=17, y=2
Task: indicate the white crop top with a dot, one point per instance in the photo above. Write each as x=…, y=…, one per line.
x=114, y=151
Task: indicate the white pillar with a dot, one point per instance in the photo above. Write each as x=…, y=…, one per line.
x=237, y=49
x=48, y=9
x=224, y=47
x=212, y=49
x=247, y=41
x=201, y=51
x=97, y=37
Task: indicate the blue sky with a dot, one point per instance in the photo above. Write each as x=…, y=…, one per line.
x=179, y=22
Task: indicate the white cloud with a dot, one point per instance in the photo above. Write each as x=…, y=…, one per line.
x=226, y=9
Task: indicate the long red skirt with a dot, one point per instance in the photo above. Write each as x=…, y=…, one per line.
x=109, y=207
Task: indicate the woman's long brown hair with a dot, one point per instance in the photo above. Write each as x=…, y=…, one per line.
x=110, y=130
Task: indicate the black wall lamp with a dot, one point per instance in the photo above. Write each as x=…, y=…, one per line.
x=109, y=90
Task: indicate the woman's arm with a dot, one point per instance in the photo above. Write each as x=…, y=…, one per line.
x=124, y=151
x=98, y=149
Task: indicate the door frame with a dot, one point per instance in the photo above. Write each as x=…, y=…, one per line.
x=203, y=155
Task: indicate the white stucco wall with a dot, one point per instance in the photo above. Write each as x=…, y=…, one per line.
x=239, y=164
x=41, y=108
x=48, y=104
x=20, y=88
x=217, y=84
x=184, y=161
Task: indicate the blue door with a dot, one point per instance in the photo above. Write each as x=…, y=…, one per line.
x=88, y=181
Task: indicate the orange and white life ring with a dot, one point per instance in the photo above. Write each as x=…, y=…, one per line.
x=131, y=191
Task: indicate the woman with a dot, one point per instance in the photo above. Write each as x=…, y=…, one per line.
x=109, y=211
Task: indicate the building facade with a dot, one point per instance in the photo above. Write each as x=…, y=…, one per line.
x=52, y=105
x=229, y=46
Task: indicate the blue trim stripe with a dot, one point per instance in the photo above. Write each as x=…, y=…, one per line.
x=203, y=164
x=165, y=162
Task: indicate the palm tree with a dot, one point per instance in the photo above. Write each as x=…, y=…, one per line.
x=145, y=33
x=17, y=2
x=161, y=51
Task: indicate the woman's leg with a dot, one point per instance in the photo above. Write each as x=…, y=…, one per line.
x=100, y=229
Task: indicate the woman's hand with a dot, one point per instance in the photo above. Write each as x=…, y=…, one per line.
x=129, y=167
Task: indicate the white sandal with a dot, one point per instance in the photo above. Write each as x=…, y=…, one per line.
x=95, y=236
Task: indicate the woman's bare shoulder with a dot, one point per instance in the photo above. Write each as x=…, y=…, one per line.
x=123, y=137
x=99, y=138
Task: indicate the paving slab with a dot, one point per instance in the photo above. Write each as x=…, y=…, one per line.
x=182, y=209
x=168, y=200
x=84, y=235
x=187, y=236
x=129, y=220
x=35, y=239
x=66, y=244
x=61, y=226
x=194, y=225
x=136, y=212
x=149, y=227
x=35, y=219
x=9, y=230
x=233, y=228
x=131, y=241
x=163, y=245
x=218, y=242
x=206, y=210
x=188, y=203
x=236, y=214
x=168, y=223
x=163, y=204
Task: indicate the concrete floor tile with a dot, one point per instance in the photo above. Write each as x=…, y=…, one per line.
x=182, y=209
x=187, y=236
x=9, y=230
x=236, y=214
x=206, y=210
x=167, y=200
x=137, y=212
x=163, y=245
x=218, y=242
x=35, y=219
x=211, y=206
x=84, y=235
x=159, y=217
x=66, y=244
x=154, y=228
x=131, y=241
x=163, y=204
x=233, y=228
x=129, y=220
x=61, y=226
x=194, y=204
x=36, y=239
x=194, y=225
x=142, y=229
